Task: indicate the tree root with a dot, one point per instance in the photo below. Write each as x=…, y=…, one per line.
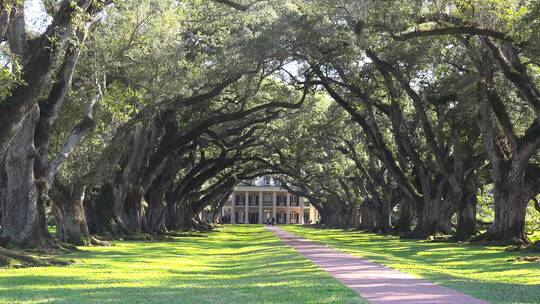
x=487, y=238
x=97, y=242
x=11, y=258
x=530, y=259
x=535, y=247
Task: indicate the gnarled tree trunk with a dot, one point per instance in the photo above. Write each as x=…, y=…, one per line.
x=447, y=210
x=369, y=215
x=335, y=214
x=427, y=220
x=510, y=205
x=466, y=213
x=99, y=212
x=126, y=182
x=433, y=213
x=433, y=216
x=171, y=222
x=134, y=211
x=155, y=214
x=23, y=212
x=185, y=215
x=384, y=223
x=508, y=168
x=405, y=217
x=68, y=208
x=155, y=195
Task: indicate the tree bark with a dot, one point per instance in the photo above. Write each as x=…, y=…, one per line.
x=432, y=212
x=155, y=214
x=99, y=212
x=369, y=214
x=511, y=191
x=404, y=221
x=427, y=220
x=510, y=205
x=171, y=212
x=466, y=212
x=68, y=208
x=23, y=212
x=333, y=214
x=126, y=181
x=447, y=210
x=384, y=224
x=185, y=214
x=216, y=210
x=4, y=21
x=38, y=63
x=133, y=216
x=155, y=195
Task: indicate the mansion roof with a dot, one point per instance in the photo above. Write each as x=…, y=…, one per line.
x=263, y=181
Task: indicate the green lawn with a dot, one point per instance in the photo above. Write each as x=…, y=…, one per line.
x=233, y=265
x=483, y=272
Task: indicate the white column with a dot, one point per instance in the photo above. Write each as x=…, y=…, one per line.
x=221, y=214
x=260, y=208
x=274, y=199
x=233, y=208
x=246, y=209
x=287, y=208
x=301, y=218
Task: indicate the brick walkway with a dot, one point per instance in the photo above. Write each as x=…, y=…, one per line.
x=374, y=282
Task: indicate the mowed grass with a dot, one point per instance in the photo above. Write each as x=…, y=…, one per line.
x=487, y=273
x=233, y=265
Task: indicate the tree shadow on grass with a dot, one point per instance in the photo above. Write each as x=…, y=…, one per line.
x=199, y=294
x=210, y=287
x=237, y=265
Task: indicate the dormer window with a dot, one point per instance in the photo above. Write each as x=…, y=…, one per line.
x=267, y=180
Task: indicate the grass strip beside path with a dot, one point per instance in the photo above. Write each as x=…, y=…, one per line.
x=488, y=273
x=233, y=265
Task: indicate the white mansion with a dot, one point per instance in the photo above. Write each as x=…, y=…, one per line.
x=254, y=202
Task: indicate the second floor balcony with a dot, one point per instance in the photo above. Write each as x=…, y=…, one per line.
x=253, y=200
x=239, y=200
x=281, y=200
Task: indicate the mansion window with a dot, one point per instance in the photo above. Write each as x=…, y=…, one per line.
x=281, y=217
x=295, y=201
x=267, y=180
x=281, y=200
x=253, y=200
x=240, y=200
x=267, y=199
x=295, y=218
